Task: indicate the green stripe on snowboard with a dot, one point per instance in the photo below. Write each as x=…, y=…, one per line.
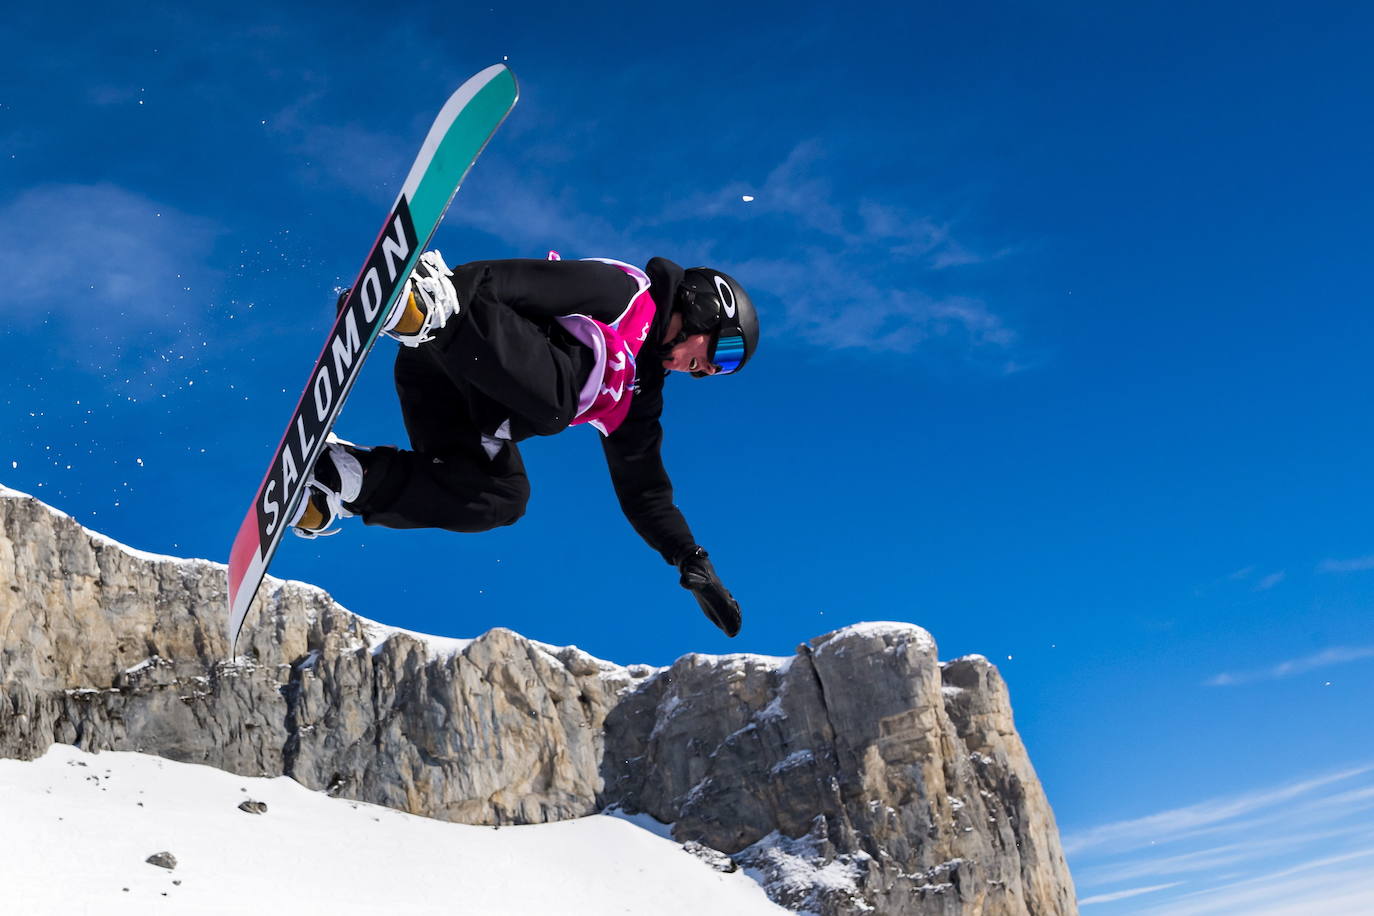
x=459, y=150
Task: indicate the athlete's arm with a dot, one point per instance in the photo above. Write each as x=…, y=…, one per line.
x=641, y=482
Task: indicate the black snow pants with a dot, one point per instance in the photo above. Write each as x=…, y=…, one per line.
x=501, y=371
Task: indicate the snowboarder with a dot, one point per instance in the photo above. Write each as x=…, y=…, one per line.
x=494, y=352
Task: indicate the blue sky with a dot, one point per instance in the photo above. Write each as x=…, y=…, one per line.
x=1067, y=319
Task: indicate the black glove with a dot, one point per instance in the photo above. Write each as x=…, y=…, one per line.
x=699, y=577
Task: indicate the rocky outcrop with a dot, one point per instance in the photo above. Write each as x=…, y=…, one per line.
x=903, y=776
x=859, y=776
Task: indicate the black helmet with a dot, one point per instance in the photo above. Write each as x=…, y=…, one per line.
x=713, y=303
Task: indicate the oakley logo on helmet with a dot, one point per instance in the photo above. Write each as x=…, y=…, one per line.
x=727, y=296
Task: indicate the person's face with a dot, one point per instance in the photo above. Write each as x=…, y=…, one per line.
x=690, y=356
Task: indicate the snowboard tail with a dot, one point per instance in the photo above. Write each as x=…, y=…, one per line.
x=467, y=121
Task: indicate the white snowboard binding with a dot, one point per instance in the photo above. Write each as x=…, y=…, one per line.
x=337, y=479
x=429, y=301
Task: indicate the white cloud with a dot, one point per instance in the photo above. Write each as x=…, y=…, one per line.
x=1313, y=886
x=830, y=303
x=795, y=192
x=1327, y=657
x=1127, y=894
x=1271, y=580
x=1358, y=564
x=526, y=212
x=1179, y=823
x=825, y=285
x=101, y=256
x=369, y=162
x=1296, y=848
x=1255, y=844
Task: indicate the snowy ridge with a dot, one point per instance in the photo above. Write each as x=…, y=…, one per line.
x=440, y=647
x=971, y=657
x=376, y=634
x=643, y=821
x=9, y=493
x=895, y=633
x=444, y=647
x=737, y=661
x=143, y=554
x=565, y=655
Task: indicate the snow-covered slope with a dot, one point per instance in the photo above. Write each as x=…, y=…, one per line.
x=79, y=827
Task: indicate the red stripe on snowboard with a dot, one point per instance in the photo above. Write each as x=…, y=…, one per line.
x=246, y=548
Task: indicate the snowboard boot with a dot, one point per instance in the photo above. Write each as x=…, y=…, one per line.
x=336, y=480
x=426, y=304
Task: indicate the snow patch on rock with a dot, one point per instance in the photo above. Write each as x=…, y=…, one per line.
x=973, y=657
x=803, y=876
x=141, y=554
x=895, y=634
x=737, y=662
x=440, y=647
x=804, y=757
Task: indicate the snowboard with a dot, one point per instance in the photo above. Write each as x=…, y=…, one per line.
x=467, y=121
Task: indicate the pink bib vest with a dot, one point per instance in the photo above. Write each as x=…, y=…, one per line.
x=605, y=397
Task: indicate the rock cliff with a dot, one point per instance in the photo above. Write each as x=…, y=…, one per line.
x=860, y=775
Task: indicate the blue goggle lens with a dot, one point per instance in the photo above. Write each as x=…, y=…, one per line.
x=728, y=354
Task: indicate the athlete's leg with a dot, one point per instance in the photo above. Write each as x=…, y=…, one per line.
x=446, y=479
x=541, y=290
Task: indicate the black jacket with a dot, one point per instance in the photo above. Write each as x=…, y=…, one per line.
x=543, y=290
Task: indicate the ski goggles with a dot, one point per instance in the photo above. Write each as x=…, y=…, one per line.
x=727, y=351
